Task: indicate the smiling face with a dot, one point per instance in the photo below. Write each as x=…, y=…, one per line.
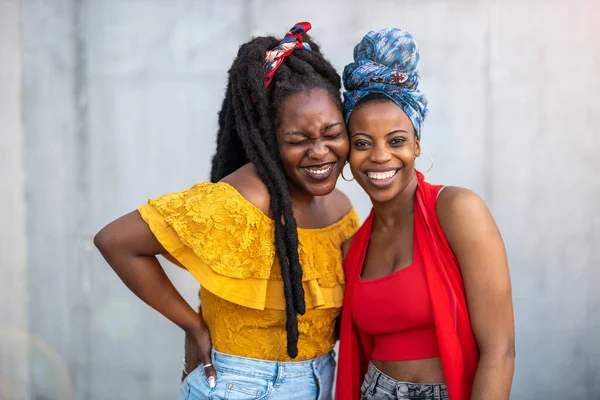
x=313, y=142
x=383, y=149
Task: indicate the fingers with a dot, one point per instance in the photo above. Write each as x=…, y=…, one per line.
x=184, y=374
x=199, y=346
x=209, y=369
x=187, y=368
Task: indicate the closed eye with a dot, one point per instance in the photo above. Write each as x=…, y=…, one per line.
x=298, y=143
x=333, y=136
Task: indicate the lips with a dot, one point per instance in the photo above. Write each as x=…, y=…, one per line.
x=381, y=178
x=319, y=172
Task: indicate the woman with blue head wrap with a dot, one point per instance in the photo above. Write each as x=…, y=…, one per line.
x=386, y=62
x=427, y=309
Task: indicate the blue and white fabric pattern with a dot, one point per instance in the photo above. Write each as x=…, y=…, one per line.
x=387, y=62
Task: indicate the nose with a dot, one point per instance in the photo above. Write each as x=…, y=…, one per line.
x=318, y=151
x=380, y=155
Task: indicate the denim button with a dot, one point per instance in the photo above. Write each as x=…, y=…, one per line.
x=403, y=388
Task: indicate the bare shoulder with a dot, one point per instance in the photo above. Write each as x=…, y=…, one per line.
x=462, y=212
x=247, y=182
x=452, y=197
x=338, y=204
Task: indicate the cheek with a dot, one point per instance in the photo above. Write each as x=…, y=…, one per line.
x=341, y=148
x=291, y=156
x=355, y=159
x=407, y=155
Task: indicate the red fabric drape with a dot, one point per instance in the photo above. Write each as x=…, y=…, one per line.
x=458, y=349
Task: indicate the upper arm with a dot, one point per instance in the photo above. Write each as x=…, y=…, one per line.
x=129, y=234
x=477, y=244
x=341, y=206
x=346, y=247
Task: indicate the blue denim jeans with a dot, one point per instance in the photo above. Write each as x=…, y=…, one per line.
x=379, y=386
x=240, y=378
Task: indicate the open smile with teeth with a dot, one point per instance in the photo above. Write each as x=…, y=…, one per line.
x=381, y=176
x=320, y=170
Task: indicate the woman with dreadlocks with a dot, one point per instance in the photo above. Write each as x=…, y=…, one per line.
x=263, y=238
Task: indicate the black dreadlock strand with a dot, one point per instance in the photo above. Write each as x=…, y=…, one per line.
x=247, y=133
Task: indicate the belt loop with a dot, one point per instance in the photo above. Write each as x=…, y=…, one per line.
x=374, y=383
x=437, y=392
x=280, y=373
x=314, y=365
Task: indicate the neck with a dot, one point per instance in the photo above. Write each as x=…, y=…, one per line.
x=397, y=210
x=300, y=198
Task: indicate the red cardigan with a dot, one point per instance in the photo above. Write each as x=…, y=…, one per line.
x=458, y=349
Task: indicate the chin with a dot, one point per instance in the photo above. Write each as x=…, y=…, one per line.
x=382, y=195
x=321, y=188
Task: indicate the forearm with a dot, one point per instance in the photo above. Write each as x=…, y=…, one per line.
x=494, y=375
x=144, y=276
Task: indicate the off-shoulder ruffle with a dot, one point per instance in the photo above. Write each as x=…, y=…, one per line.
x=227, y=245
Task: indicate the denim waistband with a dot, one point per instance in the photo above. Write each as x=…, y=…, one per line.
x=268, y=369
x=393, y=386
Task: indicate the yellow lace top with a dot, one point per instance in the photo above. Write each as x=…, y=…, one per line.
x=227, y=244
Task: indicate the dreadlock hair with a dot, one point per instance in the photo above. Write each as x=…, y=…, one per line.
x=248, y=133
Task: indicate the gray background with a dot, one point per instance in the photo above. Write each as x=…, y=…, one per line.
x=104, y=103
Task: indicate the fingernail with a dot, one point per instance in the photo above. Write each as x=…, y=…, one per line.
x=211, y=381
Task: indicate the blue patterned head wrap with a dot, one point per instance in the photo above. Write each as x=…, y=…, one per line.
x=387, y=62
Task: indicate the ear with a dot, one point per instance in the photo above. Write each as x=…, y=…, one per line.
x=417, y=148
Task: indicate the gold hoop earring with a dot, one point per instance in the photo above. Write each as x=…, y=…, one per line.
x=343, y=177
x=430, y=165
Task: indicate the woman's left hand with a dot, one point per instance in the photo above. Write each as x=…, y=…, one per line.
x=198, y=347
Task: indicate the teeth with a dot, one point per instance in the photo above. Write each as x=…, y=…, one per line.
x=320, y=171
x=381, y=175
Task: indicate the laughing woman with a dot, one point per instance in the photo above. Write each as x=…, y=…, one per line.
x=428, y=309
x=263, y=239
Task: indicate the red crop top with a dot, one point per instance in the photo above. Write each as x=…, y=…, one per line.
x=396, y=311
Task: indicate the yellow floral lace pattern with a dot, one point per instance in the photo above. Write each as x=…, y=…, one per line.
x=227, y=244
x=261, y=334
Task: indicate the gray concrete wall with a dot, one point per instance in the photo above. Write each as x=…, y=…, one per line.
x=119, y=102
x=14, y=291
x=60, y=274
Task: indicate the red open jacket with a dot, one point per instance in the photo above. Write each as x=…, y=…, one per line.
x=458, y=349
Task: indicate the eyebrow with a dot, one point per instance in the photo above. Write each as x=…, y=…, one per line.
x=386, y=135
x=297, y=133
x=328, y=127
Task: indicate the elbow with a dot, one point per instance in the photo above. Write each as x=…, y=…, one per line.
x=508, y=354
x=509, y=349
x=110, y=245
x=505, y=352
x=512, y=351
x=98, y=240
x=104, y=240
